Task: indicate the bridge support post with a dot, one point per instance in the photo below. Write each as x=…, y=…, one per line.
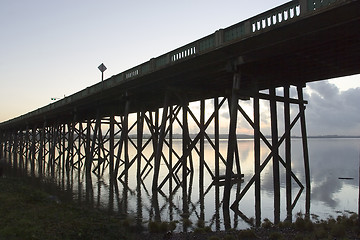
x=33, y=150
x=27, y=148
x=160, y=144
x=63, y=148
x=171, y=113
x=256, y=106
x=20, y=148
x=69, y=155
x=15, y=148
x=41, y=149
x=93, y=141
x=288, y=152
x=305, y=147
x=185, y=145
x=81, y=142
x=231, y=147
x=275, y=151
x=4, y=144
x=202, y=159
x=217, y=137
x=1, y=144
x=55, y=142
x=11, y=146
x=111, y=147
x=87, y=146
x=123, y=140
x=140, y=130
x=186, y=155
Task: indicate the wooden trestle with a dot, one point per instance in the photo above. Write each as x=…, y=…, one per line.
x=102, y=144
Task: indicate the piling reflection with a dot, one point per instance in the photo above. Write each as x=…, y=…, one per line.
x=201, y=202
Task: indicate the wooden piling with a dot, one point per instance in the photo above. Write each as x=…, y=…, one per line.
x=33, y=150
x=288, y=152
x=140, y=130
x=87, y=145
x=111, y=147
x=159, y=147
x=185, y=146
x=217, y=137
x=41, y=149
x=202, y=154
x=123, y=138
x=275, y=150
x=231, y=145
x=256, y=106
x=305, y=147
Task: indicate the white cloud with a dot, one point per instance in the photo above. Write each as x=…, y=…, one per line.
x=331, y=111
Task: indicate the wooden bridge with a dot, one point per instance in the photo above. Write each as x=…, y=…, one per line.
x=286, y=47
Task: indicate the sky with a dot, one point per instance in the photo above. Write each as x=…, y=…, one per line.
x=51, y=49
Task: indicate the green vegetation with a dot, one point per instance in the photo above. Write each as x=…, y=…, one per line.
x=161, y=227
x=28, y=213
x=247, y=234
x=267, y=223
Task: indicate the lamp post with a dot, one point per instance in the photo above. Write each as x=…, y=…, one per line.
x=102, y=69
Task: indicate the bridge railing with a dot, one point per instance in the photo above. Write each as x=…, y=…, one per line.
x=275, y=16
x=253, y=26
x=313, y=5
x=272, y=18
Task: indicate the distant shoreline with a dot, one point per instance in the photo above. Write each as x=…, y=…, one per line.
x=244, y=136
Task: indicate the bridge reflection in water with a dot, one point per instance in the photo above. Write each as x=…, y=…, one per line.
x=192, y=163
x=129, y=199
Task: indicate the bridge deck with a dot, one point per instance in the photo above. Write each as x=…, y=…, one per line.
x=291, y=44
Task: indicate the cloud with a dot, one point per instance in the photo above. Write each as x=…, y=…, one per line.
x=331, y=111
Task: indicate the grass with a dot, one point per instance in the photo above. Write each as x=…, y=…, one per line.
x=29, y=213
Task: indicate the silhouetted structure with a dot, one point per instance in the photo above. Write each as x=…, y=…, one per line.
x=298, y=42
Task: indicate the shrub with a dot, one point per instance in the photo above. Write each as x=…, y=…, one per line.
x=229, y=237
x=248, y=233
x=267, y=223
x=275, y=236
x=303, y=224
x=321, y=233
x=164, y=227
x=200, y=223
x=153, y=227
x=338, y=230
x=187, y=222
x=199, y=230
x=214, y=238
x=172, y=226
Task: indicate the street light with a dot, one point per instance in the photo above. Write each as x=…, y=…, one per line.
x=102, y=68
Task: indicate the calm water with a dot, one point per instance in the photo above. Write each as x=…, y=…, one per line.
x=330, y=159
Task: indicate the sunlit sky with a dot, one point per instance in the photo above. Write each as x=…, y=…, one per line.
x=53, y=48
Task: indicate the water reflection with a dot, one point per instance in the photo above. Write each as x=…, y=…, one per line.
x=201, y=200
x=339, y=159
